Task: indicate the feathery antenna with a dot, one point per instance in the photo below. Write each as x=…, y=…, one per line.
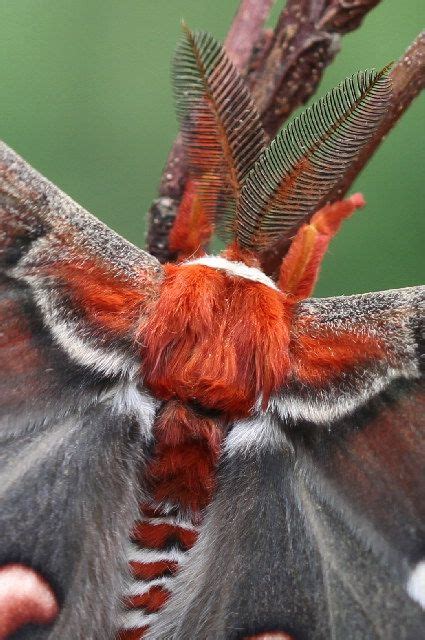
x=221, y=129
x=292, y=177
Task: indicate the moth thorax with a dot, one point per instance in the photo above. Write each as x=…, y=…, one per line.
x=216, y=338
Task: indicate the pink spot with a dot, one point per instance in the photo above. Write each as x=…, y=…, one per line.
x=24, y=597
x=357, y=200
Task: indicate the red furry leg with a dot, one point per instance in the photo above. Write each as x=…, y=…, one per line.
x=301, y=265
x=192, y=229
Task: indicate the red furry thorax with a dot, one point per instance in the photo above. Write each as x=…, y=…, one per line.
x=217, y=339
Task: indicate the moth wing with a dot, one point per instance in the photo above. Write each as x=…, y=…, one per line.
x=317, y=527
x=72, y=294
x=73, y=420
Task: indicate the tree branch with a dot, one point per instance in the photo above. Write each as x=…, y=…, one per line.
x=408, y=79
x=246, y=30
x=305, y=41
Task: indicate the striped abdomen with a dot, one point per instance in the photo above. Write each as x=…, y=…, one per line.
x=180, y=478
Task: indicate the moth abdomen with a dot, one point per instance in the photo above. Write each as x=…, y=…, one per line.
x=179, y=480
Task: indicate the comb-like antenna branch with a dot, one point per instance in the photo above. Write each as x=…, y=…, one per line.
x=221, y=129
x=407, y=81
x=307, y=159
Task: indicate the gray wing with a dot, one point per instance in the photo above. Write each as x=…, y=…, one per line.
x=317, y=528
x=73, y=420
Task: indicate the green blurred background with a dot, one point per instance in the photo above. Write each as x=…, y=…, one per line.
x=86, y=99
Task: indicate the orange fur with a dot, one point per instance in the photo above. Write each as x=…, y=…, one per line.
x=300, y=268
x=157, y=536
x=319, y=356
x=152, y=600
x=237, y=254
x=182, y=470
x=215, y=338
x=151, y=570
x=114, y=305
x=192, y=229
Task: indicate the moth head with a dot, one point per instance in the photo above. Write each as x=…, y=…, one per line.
x=219, y=336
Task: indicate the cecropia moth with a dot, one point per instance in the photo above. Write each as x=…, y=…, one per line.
x=198, y=450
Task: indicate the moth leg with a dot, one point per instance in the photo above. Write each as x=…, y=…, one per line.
x=192, y=227
x=300, y=268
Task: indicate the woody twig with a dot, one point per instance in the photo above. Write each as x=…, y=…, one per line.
x=305, y=40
